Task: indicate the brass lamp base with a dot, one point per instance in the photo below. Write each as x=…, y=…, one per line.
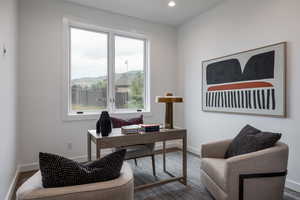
x=169, y=116
x=169, y=99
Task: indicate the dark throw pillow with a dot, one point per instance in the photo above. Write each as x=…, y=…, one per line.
x=58, y=171
x=250, y=140
x=118, y=123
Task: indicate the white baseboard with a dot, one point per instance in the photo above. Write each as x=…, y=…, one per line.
x=194, y=150
x=28, y=167
x=12, y=186
x=35, y=165
x=293, y=185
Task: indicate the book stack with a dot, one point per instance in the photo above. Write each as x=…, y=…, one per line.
x=150, y=127
x=132, y=129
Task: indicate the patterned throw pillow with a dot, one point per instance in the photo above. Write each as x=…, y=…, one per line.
x=118, y=123
x=58, y=171
x=250, y=140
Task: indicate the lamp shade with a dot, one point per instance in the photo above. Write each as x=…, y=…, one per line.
x=169, y=98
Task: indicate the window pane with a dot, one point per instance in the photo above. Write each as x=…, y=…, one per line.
x=88, y=70
x=129, y=73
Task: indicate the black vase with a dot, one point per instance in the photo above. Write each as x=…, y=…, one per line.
x=103, y=125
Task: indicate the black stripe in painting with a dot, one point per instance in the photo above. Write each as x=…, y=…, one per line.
x=222, y=99
x=254, y=99
x=231, y=94
x=206, y=99
x=216, y=99
x=219, y=98
x=239, y=101
x=246, y=97
x=211, y=100
x=249, y=99
x=228, y=98
x=242, y=95
x=268, y=99
x=273, y=99
x=263, y=99
x=235, y=103
x=225, y=99
x=258, y=99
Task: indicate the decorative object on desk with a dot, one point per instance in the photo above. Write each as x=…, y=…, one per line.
x=118, y=123
x=249, y=82
x=169, y=99
x=103, y=125
x=131, y=129
x=150, y=127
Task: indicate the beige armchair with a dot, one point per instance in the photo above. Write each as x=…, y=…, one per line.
x=259, y=175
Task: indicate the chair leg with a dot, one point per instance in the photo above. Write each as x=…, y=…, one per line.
x=135, y=161
x=153, y=165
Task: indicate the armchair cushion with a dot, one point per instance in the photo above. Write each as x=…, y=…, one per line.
x=215, y=169
x=250, y=140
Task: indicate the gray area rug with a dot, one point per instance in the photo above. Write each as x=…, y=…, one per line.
x=194, y=191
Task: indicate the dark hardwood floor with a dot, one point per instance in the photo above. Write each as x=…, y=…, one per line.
x=172, y=191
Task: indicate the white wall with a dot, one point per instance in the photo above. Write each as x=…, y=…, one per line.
x=8, y=77
x=41, y=124
x=238, y=25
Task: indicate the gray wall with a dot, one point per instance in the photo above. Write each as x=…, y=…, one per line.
x=8, y=146
x=234, y=26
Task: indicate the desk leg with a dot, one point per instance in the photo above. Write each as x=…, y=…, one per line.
x=98, y=150
x=89, y=148
x=164, y=156
x=184, y=160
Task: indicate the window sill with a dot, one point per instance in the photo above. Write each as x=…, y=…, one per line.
x=95, y=116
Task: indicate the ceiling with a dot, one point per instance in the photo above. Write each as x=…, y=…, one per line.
x=153, y=10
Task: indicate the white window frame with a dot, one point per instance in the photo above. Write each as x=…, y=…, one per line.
x=66, y=91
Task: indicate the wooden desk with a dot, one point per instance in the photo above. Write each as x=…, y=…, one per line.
x=117, y=139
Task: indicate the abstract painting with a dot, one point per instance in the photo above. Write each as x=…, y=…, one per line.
x=249, y=82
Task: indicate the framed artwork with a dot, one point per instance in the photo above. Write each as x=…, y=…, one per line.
x=249, y=82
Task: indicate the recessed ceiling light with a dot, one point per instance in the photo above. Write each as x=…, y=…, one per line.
x=171, y=4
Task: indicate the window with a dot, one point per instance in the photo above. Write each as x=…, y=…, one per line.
x=88, y=70
x=129, y=73
x=107, y=71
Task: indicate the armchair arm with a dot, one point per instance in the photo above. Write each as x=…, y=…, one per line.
x=215, y=149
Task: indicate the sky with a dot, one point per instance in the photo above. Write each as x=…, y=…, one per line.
x=89, y=54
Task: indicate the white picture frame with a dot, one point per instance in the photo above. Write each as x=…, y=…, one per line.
x=248, y=82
